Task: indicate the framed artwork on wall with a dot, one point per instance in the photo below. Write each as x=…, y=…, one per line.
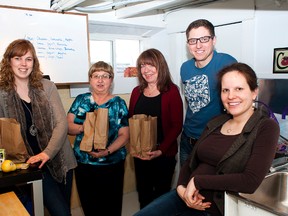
x=280, y=62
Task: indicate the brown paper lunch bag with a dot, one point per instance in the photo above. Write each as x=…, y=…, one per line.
x=12, y=141
x=143, y=134
x=135, y=134
x=101, y=129
x=96, y=128
x=148, y=135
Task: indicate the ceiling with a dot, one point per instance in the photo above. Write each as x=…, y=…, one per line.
x=137, y=8
x=134, y=8
x=122, y=29
x=131, y=8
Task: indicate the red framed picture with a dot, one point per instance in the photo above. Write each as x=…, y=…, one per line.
x=280, y=62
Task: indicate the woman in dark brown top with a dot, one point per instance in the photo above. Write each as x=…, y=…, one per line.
x=234, y=153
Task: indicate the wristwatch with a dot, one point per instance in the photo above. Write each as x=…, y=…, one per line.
x=108, y=151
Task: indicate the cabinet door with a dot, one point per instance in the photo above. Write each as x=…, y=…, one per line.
x=229, y=39
x=246, y=209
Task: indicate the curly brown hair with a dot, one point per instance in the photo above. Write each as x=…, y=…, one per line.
x=19, y=48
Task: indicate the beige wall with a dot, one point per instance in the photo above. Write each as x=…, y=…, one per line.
x=129, y=178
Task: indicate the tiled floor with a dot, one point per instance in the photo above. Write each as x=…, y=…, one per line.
x=130, y=205
x=130, y=201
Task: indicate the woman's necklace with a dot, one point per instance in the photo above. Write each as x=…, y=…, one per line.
x=234, y=128
x=229, y=130
x=151, y=91
x=32, y=128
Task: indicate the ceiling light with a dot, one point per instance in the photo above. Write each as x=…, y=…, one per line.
x=110, y=6
x=64, y=5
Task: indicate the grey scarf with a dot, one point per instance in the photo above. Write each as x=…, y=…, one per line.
x=43, y=119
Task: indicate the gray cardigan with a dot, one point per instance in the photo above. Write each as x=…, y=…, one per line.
x=58, y=144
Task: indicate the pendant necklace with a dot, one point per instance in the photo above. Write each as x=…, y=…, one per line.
x=32, y=128
x=229, y=130
x=150, y=92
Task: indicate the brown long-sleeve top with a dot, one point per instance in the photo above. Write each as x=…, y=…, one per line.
x=236, y=163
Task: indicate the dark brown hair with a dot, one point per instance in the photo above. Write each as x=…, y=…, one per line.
x=242, y=68
x=201, y=23
x=155, y=58
x=19, y=48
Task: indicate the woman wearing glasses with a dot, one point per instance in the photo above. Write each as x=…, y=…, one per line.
x=100, y=173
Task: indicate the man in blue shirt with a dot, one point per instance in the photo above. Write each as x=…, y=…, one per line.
x=200, y=86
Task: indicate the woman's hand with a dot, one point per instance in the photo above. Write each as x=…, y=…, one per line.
x=150, y=155
x=41, y=158
x=119, y=142
x=99, y=153
x=195, y=201
x=190, y=191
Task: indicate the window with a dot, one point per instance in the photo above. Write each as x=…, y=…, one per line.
x=101, y=51
x=122, y=54
x=125, y=53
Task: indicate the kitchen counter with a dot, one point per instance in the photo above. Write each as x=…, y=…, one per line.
x=28, y=176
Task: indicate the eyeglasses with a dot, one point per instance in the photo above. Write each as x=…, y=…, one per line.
x=103, y=76
x=205, y=39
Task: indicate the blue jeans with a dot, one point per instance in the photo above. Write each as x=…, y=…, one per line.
x=56, y=195
x=169, y=204
x=186, y=146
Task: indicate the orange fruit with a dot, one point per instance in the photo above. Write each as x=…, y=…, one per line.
x=8, y=166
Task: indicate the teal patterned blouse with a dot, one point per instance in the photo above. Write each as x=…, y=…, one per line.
x=118, y=117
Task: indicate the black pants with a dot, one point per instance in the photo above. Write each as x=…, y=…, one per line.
x=100, y=188
x=153, y=178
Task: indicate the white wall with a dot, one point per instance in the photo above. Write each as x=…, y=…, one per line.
x=270, y=32
x=219, y=13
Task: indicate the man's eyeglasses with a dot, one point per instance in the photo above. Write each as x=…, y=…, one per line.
x=205, y=39
x=104, y=76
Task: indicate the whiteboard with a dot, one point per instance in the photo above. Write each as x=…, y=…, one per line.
x=60, y=40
